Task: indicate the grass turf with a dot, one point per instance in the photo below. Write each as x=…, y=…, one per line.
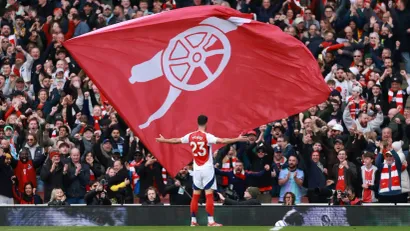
x=187, y=228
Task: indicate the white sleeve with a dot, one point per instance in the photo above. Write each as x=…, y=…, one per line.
x=211, y=138
x=185, y=139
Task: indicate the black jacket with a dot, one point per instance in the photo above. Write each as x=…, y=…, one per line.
x=258, y=164
x=58, y=203
x=251, y=201
x=92, y=198
x=157, y=201
x=147, y=176
x=53, y=179
x=178, y=196
x=6, y=172
x=76, y=184
x=124, y=195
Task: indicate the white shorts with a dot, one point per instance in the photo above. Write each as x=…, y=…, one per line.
x=204, y=179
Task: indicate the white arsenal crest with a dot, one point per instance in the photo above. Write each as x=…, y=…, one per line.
x=186, y=52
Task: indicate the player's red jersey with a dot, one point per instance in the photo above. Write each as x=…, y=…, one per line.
x=200, y=143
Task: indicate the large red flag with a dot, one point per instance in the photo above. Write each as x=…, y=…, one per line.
x=161, y=71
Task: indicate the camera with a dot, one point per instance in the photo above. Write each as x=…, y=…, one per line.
x=342, y=194
x=231, y=194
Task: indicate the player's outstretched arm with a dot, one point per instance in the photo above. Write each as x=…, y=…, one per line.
x=231, y=140
x=161, y=139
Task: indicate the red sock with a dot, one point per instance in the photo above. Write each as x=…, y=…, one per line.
x=194, y=204
x=209, y=207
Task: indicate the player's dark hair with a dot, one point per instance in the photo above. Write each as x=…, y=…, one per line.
x=202, y=120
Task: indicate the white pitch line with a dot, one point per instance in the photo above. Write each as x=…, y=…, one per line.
x=276, y=228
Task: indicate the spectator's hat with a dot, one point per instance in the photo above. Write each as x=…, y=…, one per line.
x=337, y=127
x=251, y=133
x=354, y=70
x=138, y=153
x=8, y=156
x=335, y=93
x=396, y=79
x=107, y=7
x=260, y=148
x=277, y=149
x=8, y=127
x=116, y=152
x=340, y=67
x=59, y=70
x=377, y=85
x=388, y=153
x=54, y=153
x=332, y=123
x=298, y=20
x=89, y=129
x=367, y=56
x=20, y=55
x=253, y=191
x=107, y=141
x=339, y=140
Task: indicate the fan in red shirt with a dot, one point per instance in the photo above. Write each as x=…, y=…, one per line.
x=204, y=173
x=25, y=169
x=344, y=172
x=27, y=196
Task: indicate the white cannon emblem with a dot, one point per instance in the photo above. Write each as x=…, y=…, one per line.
x=186, y=52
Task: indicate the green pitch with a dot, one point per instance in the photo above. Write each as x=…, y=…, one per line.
x=185, y=228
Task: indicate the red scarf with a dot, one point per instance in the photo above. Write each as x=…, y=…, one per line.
x=133, y=169
x=16, y=71
x=240, y=175
x=396, y=97
x=226, y=166
x=97, y=123
x=92, y=178
x=387, y=177
x=164, y=176
x=40, y=106
x=355, y=107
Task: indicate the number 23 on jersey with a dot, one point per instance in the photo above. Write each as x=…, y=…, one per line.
x=198, y=148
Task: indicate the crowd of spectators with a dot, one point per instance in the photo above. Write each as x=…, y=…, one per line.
x=63, y=143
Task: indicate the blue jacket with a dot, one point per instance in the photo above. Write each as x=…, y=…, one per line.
x=81, y=29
